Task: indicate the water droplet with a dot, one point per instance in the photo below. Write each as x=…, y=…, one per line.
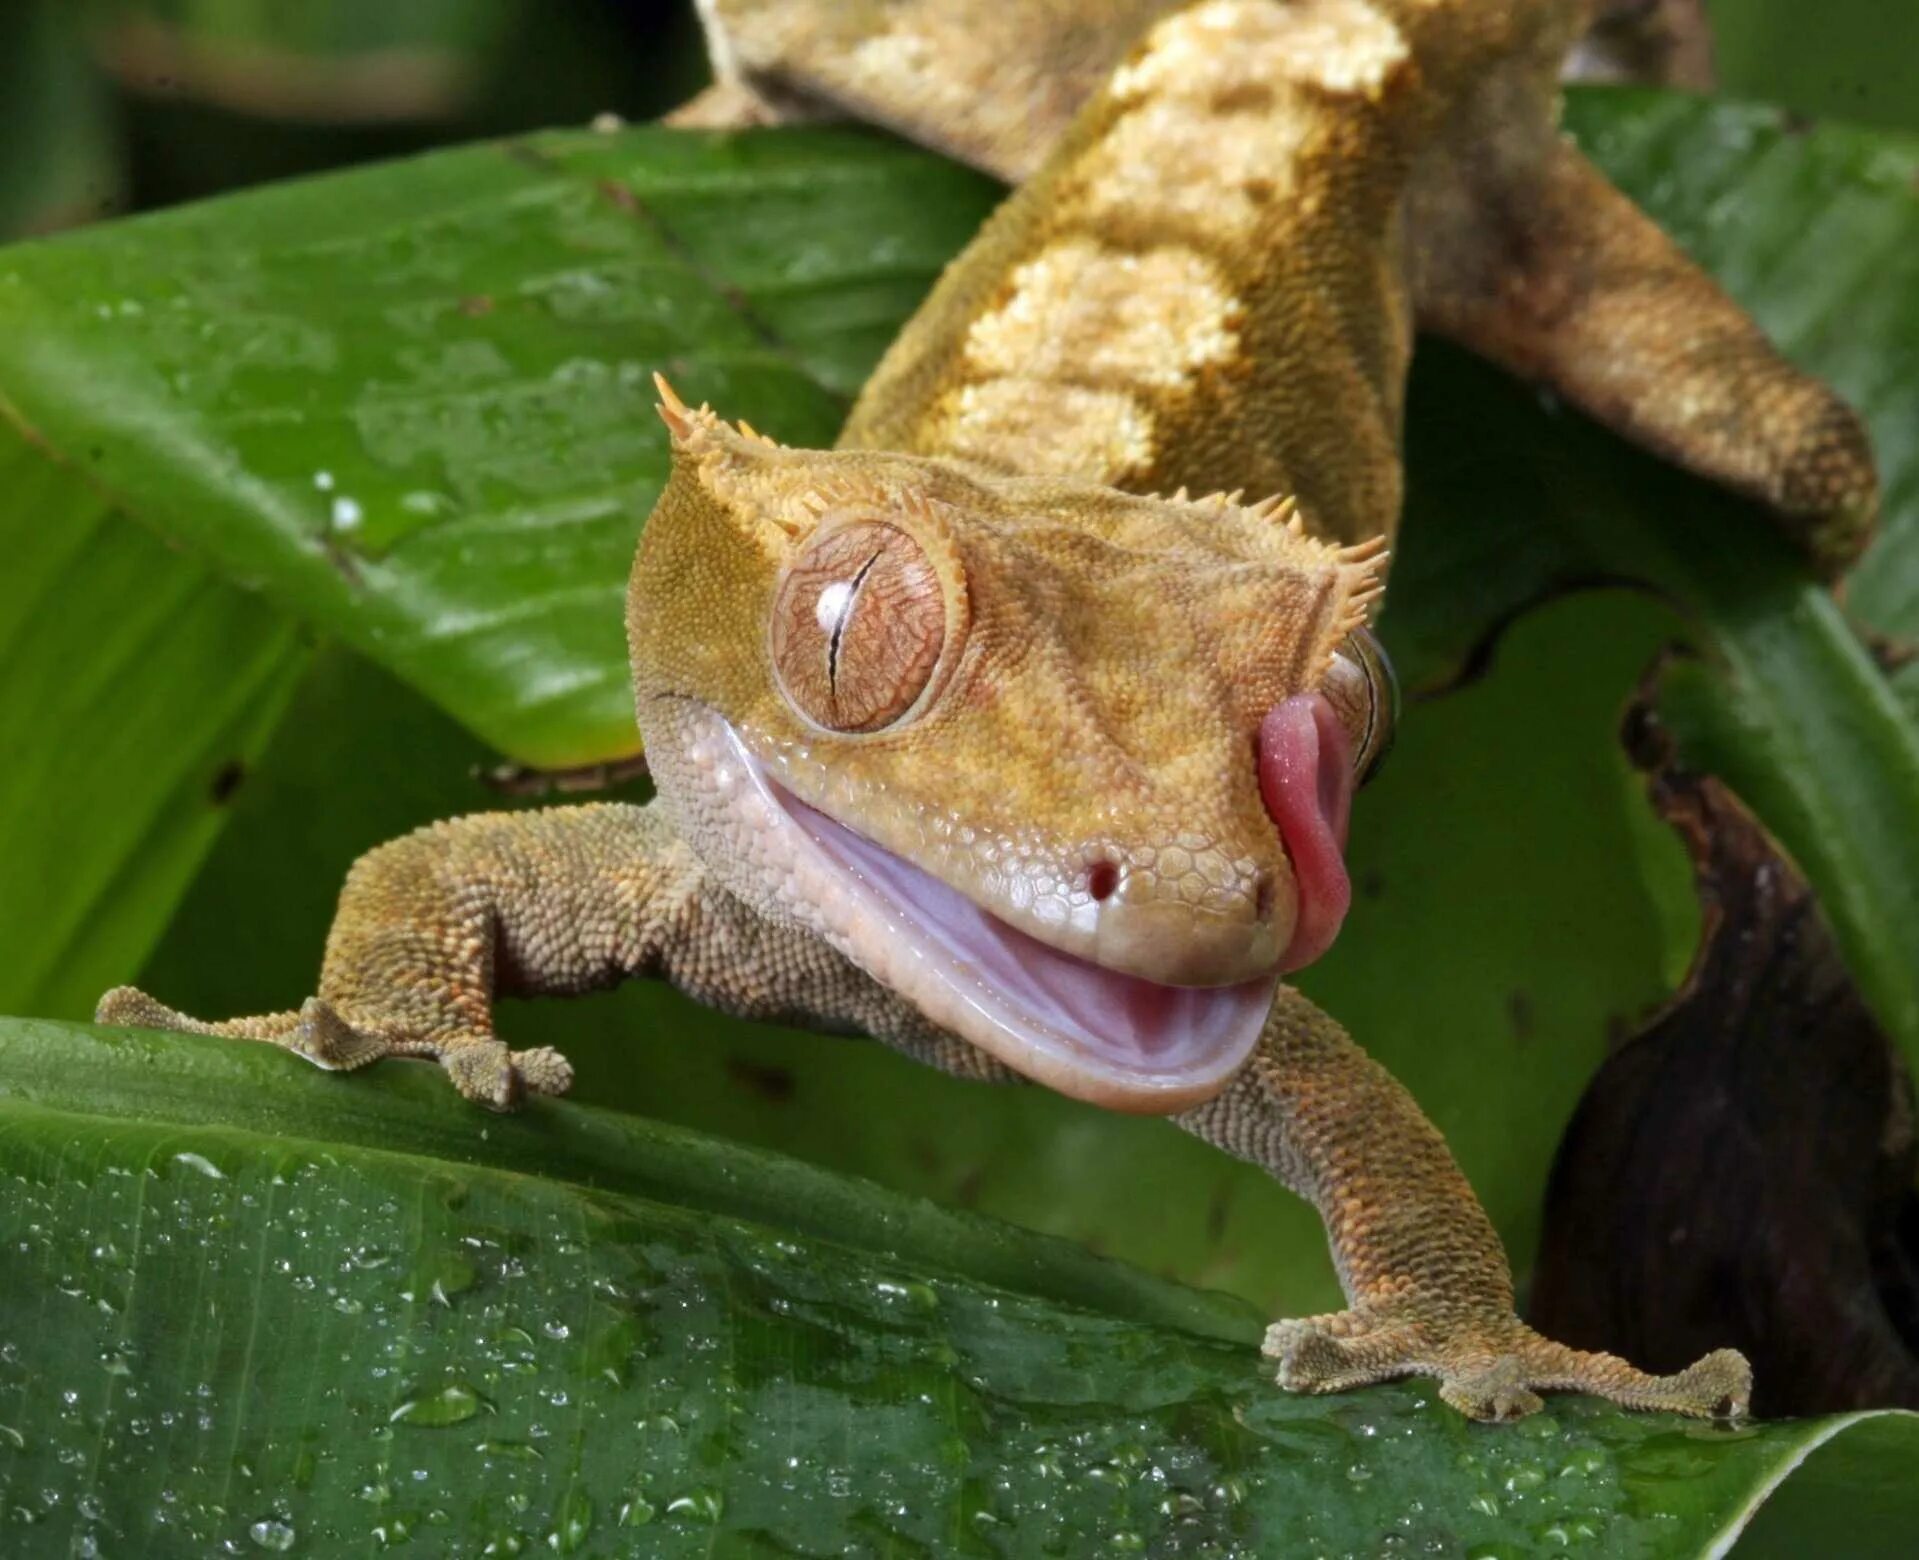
x=347, y=514
x=921, y=1296
x=272, y=1533
x=12, y=1439
x=199, y=1162
x=636, y=1512
x=520, y=1451
x=702, y=1504
x=454, y=1402
x=575, y=1522
x=1527, y=1476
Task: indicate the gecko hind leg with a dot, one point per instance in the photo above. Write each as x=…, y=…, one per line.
x=481, y=1067
x=1493, y=1367
x=1427, y=1283
x=1539, y=264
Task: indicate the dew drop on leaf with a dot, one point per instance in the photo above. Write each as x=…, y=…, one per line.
x=451, y=1404
x=271, y=1533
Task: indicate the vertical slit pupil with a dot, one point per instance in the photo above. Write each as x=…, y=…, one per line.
x=845, y=616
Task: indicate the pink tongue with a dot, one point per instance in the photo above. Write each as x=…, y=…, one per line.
x=1306, y=779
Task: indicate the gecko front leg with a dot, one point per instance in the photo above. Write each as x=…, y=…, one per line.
x=1428, y=1283
x=433, y=926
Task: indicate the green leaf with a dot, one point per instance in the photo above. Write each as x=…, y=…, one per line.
x=135, y=687
x=245, y=1325
x=414, y=405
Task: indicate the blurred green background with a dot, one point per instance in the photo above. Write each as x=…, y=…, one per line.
x=116, y=105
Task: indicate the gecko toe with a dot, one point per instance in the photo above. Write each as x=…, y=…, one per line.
x=1498, y=1392
x=132, y=1007
x=483, y=1072
x=543, y=1070
x=327, y=1040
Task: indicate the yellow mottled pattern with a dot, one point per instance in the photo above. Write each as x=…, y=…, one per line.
x=1243, y=172
x=1083, y=312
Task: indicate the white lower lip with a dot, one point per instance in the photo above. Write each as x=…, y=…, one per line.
x=1083, y=1029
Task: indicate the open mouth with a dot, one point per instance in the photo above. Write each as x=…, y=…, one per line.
x=1095, y=1033
x=1118, y=1039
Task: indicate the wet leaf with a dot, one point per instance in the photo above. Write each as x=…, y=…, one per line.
x=670, y=1345
x=414, y=405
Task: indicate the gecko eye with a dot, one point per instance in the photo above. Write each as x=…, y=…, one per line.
x=1364, y=692
x=858, y=625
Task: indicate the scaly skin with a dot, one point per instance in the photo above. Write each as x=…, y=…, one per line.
x=1515, y=245
x=1209, y=282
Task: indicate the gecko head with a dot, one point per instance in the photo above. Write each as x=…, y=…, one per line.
x=1066, y=767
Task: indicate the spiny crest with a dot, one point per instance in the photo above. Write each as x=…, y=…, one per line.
x=689, y=428
x=1280, y=509
x=1278, y=514
x=1362, y=569
x=764, y=483
x=1358, y=570
x=732, y=464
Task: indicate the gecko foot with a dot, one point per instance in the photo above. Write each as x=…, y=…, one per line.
x=487, y=1073
x=482, y=1068
x=1491, y=1367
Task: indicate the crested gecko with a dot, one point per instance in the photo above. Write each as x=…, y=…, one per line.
x=967, y=738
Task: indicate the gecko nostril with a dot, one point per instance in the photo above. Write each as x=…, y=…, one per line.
x=1263, y=897
x=1102, y=878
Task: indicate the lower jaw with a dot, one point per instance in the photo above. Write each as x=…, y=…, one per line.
x=1096, y=1034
